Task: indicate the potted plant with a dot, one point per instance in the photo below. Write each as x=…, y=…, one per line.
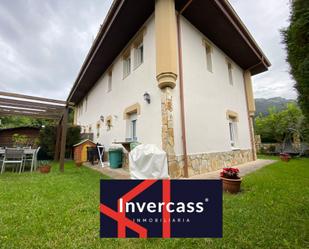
x=44, y=166
x=231, y=180
x=285, y=157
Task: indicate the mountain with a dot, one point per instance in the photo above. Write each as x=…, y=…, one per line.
x=262, y=105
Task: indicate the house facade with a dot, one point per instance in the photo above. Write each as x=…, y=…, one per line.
x=176, y=74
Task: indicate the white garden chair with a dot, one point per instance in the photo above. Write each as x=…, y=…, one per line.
x=32, y=158
x=35, y=163
x=13, y=156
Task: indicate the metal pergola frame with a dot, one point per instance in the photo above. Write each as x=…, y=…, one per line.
x=13, y=104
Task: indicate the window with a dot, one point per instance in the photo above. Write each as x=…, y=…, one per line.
x=126, y=65
x=230, y=71
x=134, y=130
x=233, y=131
x=98, y=130
x=133, y=121
x=130, y=114
x=109, y=81
x=138, y=55
x=208, y=57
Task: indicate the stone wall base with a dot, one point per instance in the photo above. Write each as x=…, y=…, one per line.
x=203, y=163
x=207, y=162
x=125, y=160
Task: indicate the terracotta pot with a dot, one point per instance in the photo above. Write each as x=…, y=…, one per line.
x=231, y=185
x=45, y=169
x=78, y=164
x=285, y=158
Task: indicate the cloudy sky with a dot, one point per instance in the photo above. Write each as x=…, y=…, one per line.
x=44, y=42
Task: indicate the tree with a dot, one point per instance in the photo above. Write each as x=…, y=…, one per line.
x=48, y=140
x=20, y=121
x=296, y=38
x=274, y=126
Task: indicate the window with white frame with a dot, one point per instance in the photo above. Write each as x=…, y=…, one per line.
x=132, y=127
x=230, y=72
x=126, y=64
x=138, y=55
x=208, y=49
x=233, y=131
x=109, y=81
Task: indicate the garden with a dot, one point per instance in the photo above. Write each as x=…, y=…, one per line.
x=61, y=210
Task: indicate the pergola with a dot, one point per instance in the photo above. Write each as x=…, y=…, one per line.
x=12, y=104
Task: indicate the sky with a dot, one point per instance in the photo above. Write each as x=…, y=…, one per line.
x=43, y=43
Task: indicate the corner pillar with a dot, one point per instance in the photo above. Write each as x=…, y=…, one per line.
x=166, y=43
x=166, y=74
x=251, y=109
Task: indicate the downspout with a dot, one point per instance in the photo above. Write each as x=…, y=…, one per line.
x=182, y=108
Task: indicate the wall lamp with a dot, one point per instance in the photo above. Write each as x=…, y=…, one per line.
x=147, y=97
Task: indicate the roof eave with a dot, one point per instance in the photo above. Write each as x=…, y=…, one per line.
x=103, y=29
x=245, y=31
x=259, y=62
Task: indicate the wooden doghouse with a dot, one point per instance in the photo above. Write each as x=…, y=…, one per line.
x=80, y=150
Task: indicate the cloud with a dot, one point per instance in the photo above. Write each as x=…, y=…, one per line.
x=264, y=20
x=43, y=43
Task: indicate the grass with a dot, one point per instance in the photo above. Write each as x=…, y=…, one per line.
x=61, y=211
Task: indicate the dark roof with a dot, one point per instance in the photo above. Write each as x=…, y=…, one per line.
x=221, y=25
x=84, y=141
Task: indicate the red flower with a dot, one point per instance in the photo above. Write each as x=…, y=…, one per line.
x=231, y=173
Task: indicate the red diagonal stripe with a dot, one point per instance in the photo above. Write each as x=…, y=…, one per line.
x=129, y=196
x=166, y=197
x=142, y=232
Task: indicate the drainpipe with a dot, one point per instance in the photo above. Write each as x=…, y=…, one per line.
x=182, y=108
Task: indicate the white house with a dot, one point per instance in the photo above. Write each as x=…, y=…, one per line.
x=175, y=73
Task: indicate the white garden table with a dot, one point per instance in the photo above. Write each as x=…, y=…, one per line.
x=26, y=153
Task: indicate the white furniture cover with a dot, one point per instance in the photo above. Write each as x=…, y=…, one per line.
x=147, y=161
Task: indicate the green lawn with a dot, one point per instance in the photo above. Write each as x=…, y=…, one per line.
x=61, y=211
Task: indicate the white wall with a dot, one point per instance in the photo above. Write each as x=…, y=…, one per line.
x=126, y=92
x=207, y=97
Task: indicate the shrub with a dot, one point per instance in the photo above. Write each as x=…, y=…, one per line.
x=48, y=141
